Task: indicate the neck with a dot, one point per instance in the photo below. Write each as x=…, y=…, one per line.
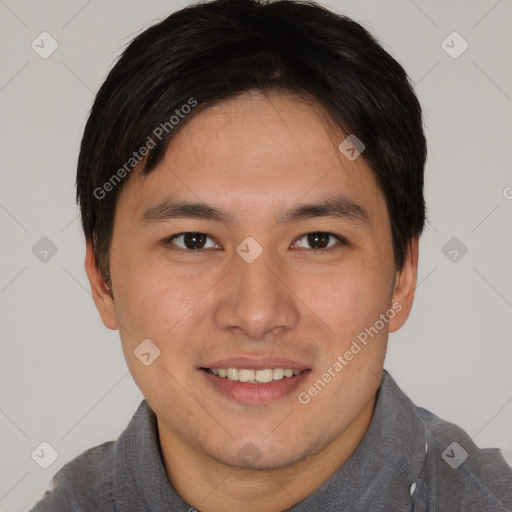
x=211, y=486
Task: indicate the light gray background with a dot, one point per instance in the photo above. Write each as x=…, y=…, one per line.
x=63, y=378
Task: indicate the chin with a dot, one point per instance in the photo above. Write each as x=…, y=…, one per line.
x=252, y=457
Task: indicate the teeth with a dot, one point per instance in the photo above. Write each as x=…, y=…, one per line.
x=278, y=373
x=232, y=374
x=254, y=376
x=245, y=375
x=264, y=375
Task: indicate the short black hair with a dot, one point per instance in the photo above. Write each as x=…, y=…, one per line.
x=208, y=52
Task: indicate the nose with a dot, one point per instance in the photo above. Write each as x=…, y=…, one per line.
x=257, y=301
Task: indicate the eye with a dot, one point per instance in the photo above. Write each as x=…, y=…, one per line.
x=192, y=241
x=318, y=240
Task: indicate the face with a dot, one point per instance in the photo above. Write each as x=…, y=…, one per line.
x=255, y=250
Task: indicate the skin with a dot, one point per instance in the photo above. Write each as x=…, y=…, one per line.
x=255, y=156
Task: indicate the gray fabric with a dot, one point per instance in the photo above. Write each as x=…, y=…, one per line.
x=402, y=450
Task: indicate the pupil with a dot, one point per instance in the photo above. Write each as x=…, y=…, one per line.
x=315, y=239
x=194, y=240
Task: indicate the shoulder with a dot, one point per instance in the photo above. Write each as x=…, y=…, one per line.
x=466, y=477
x=85, y=483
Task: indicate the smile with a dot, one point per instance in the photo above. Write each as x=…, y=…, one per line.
x=254, y=376
x=254, y=386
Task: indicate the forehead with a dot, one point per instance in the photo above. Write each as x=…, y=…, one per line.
x=271, y=151
x=273, y=125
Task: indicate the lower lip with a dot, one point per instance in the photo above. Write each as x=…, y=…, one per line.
x=255, y=393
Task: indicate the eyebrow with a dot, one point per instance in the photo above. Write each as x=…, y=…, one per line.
x=168, y=210
x=340, y=207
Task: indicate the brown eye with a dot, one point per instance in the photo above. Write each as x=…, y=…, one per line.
x=192, y=241
x=317, y=241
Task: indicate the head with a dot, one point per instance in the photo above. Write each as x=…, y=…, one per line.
x=230, y=220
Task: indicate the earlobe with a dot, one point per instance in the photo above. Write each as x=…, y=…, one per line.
x=100, y=292
x=405, y=286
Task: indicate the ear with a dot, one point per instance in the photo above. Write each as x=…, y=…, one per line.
x=405, y=286
x=100, y=292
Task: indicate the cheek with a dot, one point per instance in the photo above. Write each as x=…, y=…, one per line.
x=152, y=303
x=151, y=298
x=347, y=300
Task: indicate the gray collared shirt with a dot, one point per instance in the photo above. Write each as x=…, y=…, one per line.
x=409, y=460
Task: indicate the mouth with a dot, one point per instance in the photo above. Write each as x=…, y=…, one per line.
x=262, y=376
x=254, y=385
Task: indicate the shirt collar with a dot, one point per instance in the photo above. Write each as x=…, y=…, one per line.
x=387, y=464
x=140, y=480
x=384, y=468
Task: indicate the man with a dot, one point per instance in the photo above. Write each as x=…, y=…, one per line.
x=251, y=187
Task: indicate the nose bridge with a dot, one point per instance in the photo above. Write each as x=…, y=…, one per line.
x=257, y=281
x=255, y=299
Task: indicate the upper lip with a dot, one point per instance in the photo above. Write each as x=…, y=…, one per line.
x=255, y=363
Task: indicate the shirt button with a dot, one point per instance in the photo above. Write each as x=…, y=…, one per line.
x=412, y=488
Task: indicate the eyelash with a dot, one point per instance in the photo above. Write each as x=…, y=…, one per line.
x=170, y=241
